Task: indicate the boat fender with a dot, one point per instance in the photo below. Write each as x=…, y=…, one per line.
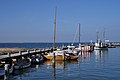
x=41, y=58
x=33, y=60
x=37, y=60
x=68, y=57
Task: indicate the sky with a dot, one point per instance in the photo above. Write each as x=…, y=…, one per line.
x=33, y=20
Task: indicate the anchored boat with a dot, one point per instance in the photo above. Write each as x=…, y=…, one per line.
x=60, y=55
x=21, y=64
x=37, y=59
x=99, y=44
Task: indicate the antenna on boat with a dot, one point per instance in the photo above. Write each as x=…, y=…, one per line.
x=55, y=27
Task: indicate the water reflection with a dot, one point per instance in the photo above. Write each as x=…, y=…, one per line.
x=54, y=71
x=62, y=65
x=98, y=56
x=59, y=64
x=101, y=55
x=84, y=57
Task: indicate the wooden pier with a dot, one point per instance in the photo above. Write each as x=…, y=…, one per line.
x=11, y=58
x=23, y=53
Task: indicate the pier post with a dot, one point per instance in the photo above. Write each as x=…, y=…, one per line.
x=20, y=54
x=6, y=70
x=64, y=56
x=9, y=54
x=34, y=50
x=28, y=51
x=13, y=63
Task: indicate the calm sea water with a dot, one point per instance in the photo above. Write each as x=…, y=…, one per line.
x=32, y=45
x=97, y=65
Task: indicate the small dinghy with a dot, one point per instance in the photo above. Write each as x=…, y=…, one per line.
x=21, y=64
x=37, y=59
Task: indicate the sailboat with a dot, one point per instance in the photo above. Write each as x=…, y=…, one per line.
x=71, y=49
x=59, y=54
x=22, y=63
x=52, y=55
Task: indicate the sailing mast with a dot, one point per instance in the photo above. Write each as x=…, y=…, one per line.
x=54, y=36
x=97, y=36
x=104, y=35
x=54, y=28
x=53, y=59
x=79, y=33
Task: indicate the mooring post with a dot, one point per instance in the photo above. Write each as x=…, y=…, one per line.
x=53, y=59
x=64, y=56
x=20, y=52
x=13, y=63
x=34, y=50
x=6, y=70
x=9, y=54
x=28, y=51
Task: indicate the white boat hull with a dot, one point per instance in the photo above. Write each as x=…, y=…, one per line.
x=100, y=48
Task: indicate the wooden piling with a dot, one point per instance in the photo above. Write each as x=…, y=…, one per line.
x=34, y=50
x=9, y=54
x=53, y=59
x=64, y=56
x=20, y=54
x=28, y=51
x=6, y=70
